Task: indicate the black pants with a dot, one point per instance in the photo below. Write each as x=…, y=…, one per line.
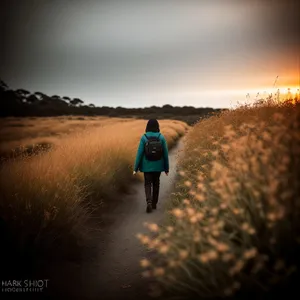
x=152, y=186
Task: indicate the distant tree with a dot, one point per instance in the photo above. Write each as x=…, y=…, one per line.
x=55, y=97
x=76, y=101
x=167, y=106
x=32, y=99
x=22, y=92
x=3, y=85
x=40, y=96
x=91, y=105
x=66, y=98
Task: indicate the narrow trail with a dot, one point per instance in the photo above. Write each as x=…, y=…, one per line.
x=116, y=273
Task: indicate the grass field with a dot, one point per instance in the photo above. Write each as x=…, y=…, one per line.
x=47, y=199
x=32, y=134
x=233, y=225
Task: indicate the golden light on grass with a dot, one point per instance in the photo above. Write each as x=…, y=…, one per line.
x=236, y=200
x=51, y=195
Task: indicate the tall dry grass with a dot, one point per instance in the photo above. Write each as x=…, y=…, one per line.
x=46, y=199
x=26, y=135
x=235, y=218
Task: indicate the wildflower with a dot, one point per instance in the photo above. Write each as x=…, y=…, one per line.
x=236, y=268
x=181, y=173
x=250, y=253
x=193, y=219
x=200, y=177
x=212, y=254
x=203, y=258
x=200, y=216
x=251, y=231
x=223, y=206
x=190, y=211
x=163, y=249
x=170, y=229
x=186, y=201
x=153, y=227
x=215, y=211
x=236, y=211
x=200, y=197
x=145, y=240
x=188, y=183
x=245, y=226
x=221, y=247
x=178, y=213
x=215, y=233
x=271, y=217
x=145, y=263
x=215, y=153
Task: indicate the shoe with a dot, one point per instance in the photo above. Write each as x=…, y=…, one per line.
x=153, y=206
x=149, y=208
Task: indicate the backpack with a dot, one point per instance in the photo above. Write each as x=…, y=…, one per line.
x=153, y=148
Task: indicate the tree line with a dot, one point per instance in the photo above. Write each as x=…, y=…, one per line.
x=22, y=103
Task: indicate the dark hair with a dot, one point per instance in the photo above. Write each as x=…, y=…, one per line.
x=152, y=125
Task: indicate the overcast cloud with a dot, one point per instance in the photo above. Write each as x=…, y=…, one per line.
x=141, y=53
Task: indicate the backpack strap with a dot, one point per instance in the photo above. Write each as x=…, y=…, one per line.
x=146, y=136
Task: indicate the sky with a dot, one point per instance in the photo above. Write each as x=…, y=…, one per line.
x=204, y=53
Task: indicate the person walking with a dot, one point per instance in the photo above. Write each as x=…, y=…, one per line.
x=152, y=159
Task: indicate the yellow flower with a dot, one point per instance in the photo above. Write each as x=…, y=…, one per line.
x=194, y=219
x=170, y=228
x=221, y=247
x=212, y=254
x=153, y=227
x=178, y=213
x=237, y=267
x=188, y=183
x=250, y=253
x=200, y=197
x=190, y=211
x=145, y=240
x=245, y=226
x=145, y=263
x=186, y=201
x=181, y=173
x=164, y=249
x=203, y=258
x=223, y=206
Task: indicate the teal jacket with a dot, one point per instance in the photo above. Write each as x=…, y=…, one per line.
x=144, y=165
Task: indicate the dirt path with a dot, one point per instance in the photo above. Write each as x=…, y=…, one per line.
x=116, y=273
